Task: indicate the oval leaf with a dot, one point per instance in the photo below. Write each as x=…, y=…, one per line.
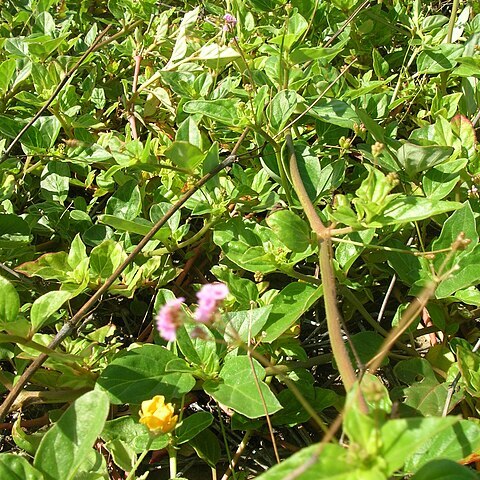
x=65, y=446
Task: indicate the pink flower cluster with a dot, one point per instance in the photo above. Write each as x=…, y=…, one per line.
x=171, y=316
x=230, y=22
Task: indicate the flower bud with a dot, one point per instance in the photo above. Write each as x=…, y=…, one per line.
x=377, y=148
x=461, y=243
x=345, y=142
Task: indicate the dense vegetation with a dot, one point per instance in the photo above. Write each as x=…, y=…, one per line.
x=239, y=239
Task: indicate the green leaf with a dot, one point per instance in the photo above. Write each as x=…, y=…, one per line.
x=40, y=136
x=46, y=305
x=463, y=128
x=469, y=67
x=51, y=266
x=25, y=441
x=216, y=56
x=306, y=54
x=15, y=467
x=399, y=437
x=139, y=226
x=243, y=289
x=380, y=66
x=331, y=464
x=159, y=210
x=9, y=303
x=424, y=394
x=43, y=45
x=189, y=132
x=128, y=430
x=184, y=155
x=126, y=202
x=64, y=446
x=444, y=470
x=55, y=181
x=469, y=365
x=439, y=181
x=202, y=352
x=242, y=243
x=288, y=306
x=191, y=426
x=222, y=110
x=416, y=158
x=14, y=231
x=106, y=258
x=122, y=453
x=237, y=389
x=207, y=447
x=462, y=220
x=454, y=443
x=310, y=170
x=439, y=59
x=467, y=275
x=180, y=47
x=408, y=267
x=7, y=69
x=335, y=112
x=77, y=253
x=281, y=108
x=139, y=374
x=346, y=253
x=365, y=345
x=409, y=209
x=245, y=324
x=291, y=229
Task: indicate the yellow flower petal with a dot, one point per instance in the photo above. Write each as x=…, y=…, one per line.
x=157, y=415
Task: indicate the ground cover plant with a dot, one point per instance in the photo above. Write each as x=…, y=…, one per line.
x=239, y=239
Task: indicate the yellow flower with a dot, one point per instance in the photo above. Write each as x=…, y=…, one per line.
x=157, y=415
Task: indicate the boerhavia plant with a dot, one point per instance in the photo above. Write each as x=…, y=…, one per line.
x=239, y=240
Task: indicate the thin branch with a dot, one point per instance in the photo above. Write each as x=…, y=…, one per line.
x=131, y=116
x=386, y=298
x=237, y=455
x=333, y=82
x=453, y=18
x=410, y=314
x=120, y=33
x=347, y=23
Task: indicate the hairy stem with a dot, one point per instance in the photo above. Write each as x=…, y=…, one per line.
x=334, y=322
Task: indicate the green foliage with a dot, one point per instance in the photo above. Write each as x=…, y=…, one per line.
x=382, y=102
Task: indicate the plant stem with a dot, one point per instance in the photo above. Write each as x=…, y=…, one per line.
x=131, y=475
x=409, y=315
x=451, y=27
x=186, y=243
x=453, y=18
x=172, y=453
x=334, y=322
x=332, y=313
x=237, y=455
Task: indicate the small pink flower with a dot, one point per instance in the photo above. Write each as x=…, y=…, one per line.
x=170, y=318
x=230, y=22
x=209, y=297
